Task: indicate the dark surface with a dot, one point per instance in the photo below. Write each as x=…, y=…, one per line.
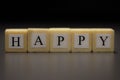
x=60, y=66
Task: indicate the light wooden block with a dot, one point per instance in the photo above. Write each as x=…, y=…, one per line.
x=60, y=40
x=103, y=40
x=81, y=40
x=16, y=40
x=38, y=40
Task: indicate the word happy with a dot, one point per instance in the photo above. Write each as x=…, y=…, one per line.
x=59, y=40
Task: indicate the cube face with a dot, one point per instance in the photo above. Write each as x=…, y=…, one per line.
x=60, y=40
x=38, y=40
x=81, y=40
x=103, y=40
x=16, y=40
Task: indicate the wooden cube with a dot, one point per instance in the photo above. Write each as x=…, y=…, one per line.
x=16, y=40
x=38, y=40
x=103, y=40
x=81, y=40
x=60, y=40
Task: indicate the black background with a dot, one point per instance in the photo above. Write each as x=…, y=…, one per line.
x=60, y=11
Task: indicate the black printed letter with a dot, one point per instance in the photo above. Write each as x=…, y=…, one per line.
x=18, y=41
x=38, y=40
x=103, y=40
x=60, y=39
x=81, y=38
